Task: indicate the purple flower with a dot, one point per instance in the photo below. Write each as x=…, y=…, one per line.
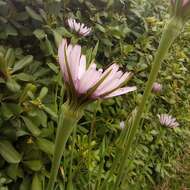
x=80, y=28
x=157, y=87
x=89, y=82
x=168, y=120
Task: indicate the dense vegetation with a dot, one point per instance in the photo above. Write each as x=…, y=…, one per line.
x=32, y=90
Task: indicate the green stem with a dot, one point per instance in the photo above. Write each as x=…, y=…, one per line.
x=120, y=145
x=67, y=121
x=70, y=177
x=171, y=31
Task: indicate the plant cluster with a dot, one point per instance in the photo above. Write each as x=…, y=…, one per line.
x=32, y=92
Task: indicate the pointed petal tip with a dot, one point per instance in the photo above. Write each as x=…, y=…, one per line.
x=121, y=91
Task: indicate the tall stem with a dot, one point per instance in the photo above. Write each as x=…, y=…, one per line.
x=66, y=124
x=70, y=176
x=171, y=31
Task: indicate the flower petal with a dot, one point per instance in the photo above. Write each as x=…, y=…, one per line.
x=113, y=68
x=89, y=78
x=70, y=22
x=168, y=120
x=121, y=91
x=82, y=66
x=74, y=61
x=61, y=58
x=109, y=87
x=185, y=2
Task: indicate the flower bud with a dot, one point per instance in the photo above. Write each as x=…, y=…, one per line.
x=181, y=9
x=156, y=88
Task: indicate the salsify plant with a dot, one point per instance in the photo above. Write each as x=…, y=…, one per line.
x=180, y=14
x=84, y=85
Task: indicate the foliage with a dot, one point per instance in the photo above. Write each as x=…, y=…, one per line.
x=32, y=91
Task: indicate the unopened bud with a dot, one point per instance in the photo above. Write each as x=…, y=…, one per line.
x=157, y=87
x=181, y=9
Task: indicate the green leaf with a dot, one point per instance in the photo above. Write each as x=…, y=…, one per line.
x=44, y=15
x=63, y=32
x=2, y=3
x=22, y=63
x=9, y=153
x=40, y=34
x=35, y=165
x=2, y=81
x=33, y=14
x=94, y=52
x=12, y=85
x=49, y=131
x=10, y=30
x=43, y=93
x=26, y=184
x=3, y=65
x=9, y=109
x=101, y=28
x=31, y=126
x=24, y=77
x=45, y=145
x=50, y=112
x=10, y=57
x=9, y=132
x=91, y=53
x=29, y=88
x=36, y=183
x=89, y=56
x=42, y=118
x=57, y=37
x=53, y=67
x=6, y=112
x=47, y=47
x=14, y=171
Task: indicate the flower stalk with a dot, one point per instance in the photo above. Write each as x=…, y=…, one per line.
x=84, y=85
x=67, y=122
x=171, y=31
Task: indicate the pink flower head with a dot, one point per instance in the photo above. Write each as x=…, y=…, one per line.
x=168, y=120
x=180, y=8
x=182, y=2
x=90, y=83
x=157, y=87
x=80, y=28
